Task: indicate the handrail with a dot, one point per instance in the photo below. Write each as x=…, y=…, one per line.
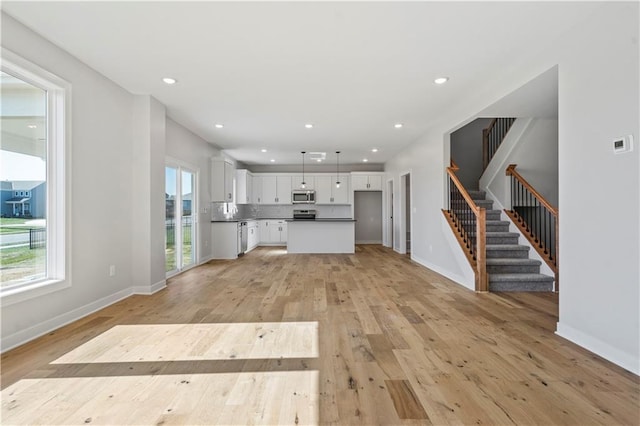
x=468, y=215
x=536, y=218
x=511, y=171
x=465, y=194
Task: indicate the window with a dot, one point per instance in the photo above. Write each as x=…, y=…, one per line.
x=34, y=146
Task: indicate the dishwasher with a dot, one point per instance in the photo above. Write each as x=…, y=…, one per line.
x=243, y=237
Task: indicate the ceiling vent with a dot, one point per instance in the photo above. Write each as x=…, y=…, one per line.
x=318, y=156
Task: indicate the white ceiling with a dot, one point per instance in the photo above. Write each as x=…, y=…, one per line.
x=265, y=69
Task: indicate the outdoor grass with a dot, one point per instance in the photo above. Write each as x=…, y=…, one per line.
x=13, y=225
x=19, y=262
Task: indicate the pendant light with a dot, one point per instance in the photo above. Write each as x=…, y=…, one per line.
x=337, y=169
x=304, y=184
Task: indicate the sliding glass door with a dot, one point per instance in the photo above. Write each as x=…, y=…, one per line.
x=180, y=218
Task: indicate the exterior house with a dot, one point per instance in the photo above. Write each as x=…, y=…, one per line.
x=116, y=155
x=23, y=199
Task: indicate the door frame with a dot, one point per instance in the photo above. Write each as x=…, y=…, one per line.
x=402, y=246
x=388, y=212
x=180, y=165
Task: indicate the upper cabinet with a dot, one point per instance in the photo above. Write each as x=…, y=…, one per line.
x=256, y=193
x=366, y=182
x=328, y=193
x=276, y=189
x=222, y=180
x=244, y=187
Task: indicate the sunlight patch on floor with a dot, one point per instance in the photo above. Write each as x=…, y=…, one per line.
x=265, y=398
x=195, y=342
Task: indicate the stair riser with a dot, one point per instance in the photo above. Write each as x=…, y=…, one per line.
x=507, y=254
x=501, y=240
x=491, y=214
x=513, y=269
x=492, y=227
x=521, y=286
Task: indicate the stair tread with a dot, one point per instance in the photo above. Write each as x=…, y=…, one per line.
x=512, y=261
x=506, y=247
x=520, y=277
x=502, y=234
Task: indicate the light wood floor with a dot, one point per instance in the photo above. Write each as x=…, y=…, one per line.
x=370, y=338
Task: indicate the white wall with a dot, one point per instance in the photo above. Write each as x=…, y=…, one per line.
x=598, y=101
x=101, y=176
x=187, y=147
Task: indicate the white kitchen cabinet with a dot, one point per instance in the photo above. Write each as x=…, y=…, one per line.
x=327, y=193
x=297, y=182
x=222, y=180
x=273, y=232
x=253, y=237
x=263, y=231
x=244, y=187
x=276, y=189
x=224, y=237
x=256, y=193
x=365, y=182
x=278, y=232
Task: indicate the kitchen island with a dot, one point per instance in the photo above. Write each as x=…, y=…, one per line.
x=321, y=236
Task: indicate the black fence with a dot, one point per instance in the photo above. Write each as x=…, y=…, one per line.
x=37, y=238
x=171, y=230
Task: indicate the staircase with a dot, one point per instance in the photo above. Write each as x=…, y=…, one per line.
x=508, y=265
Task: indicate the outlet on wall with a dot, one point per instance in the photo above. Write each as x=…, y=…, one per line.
x=112, y=270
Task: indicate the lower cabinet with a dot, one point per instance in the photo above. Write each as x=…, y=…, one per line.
x=225, y=240
x=254, y=235
x=273, y=232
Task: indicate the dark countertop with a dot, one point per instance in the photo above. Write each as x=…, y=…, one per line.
x=250, y=219
x=328, y=219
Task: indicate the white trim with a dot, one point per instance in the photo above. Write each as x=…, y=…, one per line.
x=369, y=242
x=149, y=290
x=18, y=294
x=458, y=279
x=23, y=336
x=598, y=347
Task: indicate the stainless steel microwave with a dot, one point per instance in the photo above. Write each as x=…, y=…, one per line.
x=303, y=196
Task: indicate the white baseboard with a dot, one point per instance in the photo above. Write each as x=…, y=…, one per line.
x=598, y=347
x=459, y=279
x=205, y=260
x=154, y=288
x=368, y=242
x=23, y=336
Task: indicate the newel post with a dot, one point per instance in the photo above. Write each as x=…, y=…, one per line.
x=482, y=282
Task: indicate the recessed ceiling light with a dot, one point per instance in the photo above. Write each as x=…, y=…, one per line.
x=441, y=80
x=308, y=125
x=272, y=160
x=263, y=150
x=169, y=80
x=364, y=160
x=219, y=126
x=32, y=126
x=374, y=150
x=319, y=160
x=398, y=125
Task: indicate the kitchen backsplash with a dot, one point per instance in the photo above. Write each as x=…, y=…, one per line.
x=225, y=211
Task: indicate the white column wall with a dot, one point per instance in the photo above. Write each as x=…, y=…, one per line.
x=186, y=146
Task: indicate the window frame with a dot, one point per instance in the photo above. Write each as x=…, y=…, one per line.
x=58, y=197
